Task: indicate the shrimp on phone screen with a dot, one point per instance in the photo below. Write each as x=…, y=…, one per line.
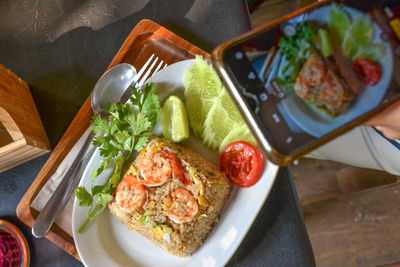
x=181, y=206
x=130, y=194
x=310, y=77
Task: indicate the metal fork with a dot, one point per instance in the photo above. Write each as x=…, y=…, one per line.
x=72, y=177
x=141, y=77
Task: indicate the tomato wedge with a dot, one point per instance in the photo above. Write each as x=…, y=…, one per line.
x=369, y=71
x=242, y=163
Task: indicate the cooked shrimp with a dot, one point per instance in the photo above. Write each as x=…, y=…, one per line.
x=314, y=70
x=130, y=194
x=154, y=169
x=310, y=77
x=303, y=90
x=332, y=92
x=177, y=168
x=181, y=206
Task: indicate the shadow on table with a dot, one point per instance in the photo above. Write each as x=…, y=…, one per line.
x=13, y=184
x=265, y=237
x=62, y=72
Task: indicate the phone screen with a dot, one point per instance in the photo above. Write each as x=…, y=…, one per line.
x=317, y=72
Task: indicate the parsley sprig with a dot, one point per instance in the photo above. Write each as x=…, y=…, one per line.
x=127, y=129
x=296, y=49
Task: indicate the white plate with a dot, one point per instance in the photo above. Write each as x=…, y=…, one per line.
x=107, y=242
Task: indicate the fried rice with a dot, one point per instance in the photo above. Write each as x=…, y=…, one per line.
x=176, y=211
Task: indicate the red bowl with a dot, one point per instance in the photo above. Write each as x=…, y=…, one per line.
x=11, y=229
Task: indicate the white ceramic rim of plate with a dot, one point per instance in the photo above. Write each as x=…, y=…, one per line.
x=237, y=217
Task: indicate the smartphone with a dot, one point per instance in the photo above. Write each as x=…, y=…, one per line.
x=306, y=78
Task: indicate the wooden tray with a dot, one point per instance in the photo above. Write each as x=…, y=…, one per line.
x=145, y=39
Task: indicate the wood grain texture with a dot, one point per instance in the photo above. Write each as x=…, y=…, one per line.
x=357, y=229
x=351, y=213
x=5, y=137
x=320, y=180
x=272, y=9
x=346, y=227
x=144, y=40
x=22, y=134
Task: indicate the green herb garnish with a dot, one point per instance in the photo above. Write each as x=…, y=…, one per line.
x=145, y=219
x=192, y=170
x=127, y=130
x=295, y=49
x=158, y=224
x=221, y=185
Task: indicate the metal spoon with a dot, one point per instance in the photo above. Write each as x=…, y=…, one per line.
x=109, y=88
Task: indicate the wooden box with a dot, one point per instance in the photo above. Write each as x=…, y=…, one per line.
x=22, y=136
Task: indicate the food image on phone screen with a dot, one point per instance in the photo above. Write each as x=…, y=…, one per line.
x=316, y=72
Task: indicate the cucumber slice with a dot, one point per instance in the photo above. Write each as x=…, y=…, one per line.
x=213, y=116
x=240, y=133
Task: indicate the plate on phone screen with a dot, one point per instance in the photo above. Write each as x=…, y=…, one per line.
x=317, y=123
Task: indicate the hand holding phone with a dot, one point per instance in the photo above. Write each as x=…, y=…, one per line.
x=388, y=121
x=306, y=78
